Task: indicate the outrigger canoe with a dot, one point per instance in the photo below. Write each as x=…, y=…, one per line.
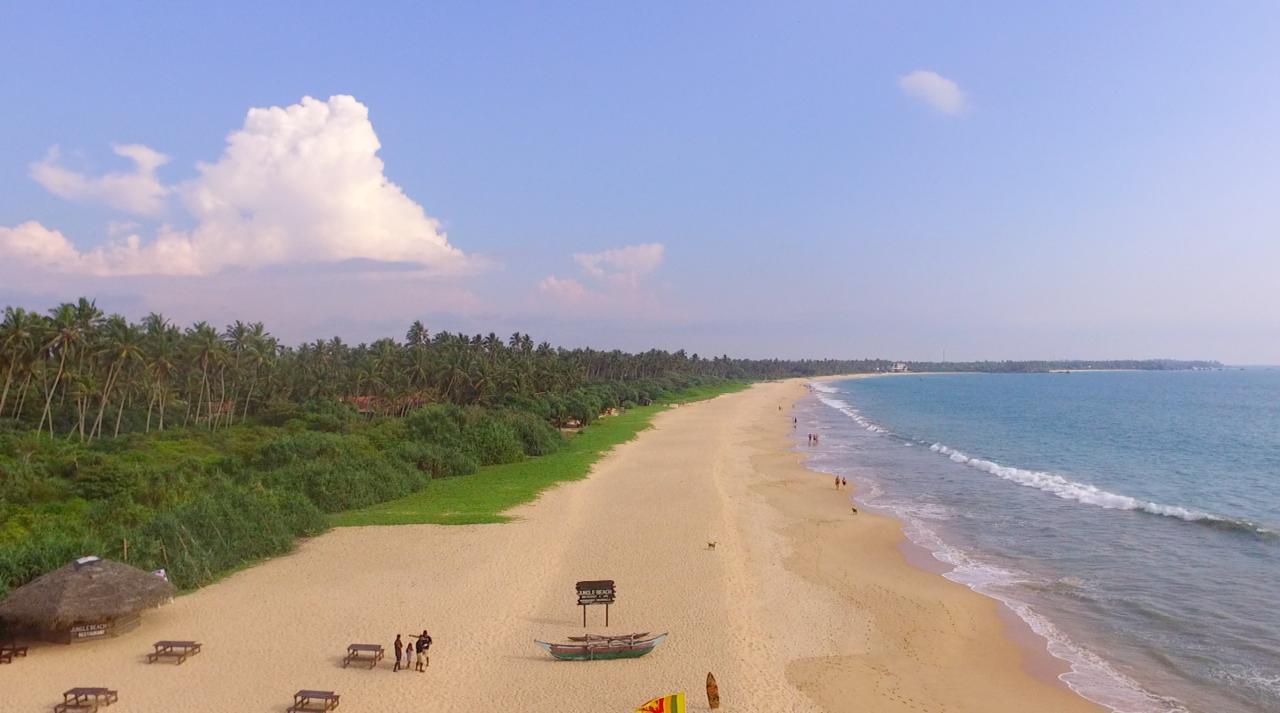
x=594, y=647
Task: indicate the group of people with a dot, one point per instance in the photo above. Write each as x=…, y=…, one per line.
x=842, y=483
x=813, y=439
x=409, y=650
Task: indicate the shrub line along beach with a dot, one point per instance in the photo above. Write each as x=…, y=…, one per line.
x=802, y=606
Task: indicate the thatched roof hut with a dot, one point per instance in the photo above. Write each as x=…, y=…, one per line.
x=89, y=598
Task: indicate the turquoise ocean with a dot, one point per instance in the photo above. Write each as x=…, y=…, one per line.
x=1131, y=518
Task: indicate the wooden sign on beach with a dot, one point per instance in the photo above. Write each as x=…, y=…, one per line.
x=596, y=591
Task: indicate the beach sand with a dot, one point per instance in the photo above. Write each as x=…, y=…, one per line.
x=802, y=606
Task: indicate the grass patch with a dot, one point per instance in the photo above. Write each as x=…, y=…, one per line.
x=484, y=496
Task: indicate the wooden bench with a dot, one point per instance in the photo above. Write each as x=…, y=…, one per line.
x=355, y=652
x=302, y=700
x=179, y=650
x=9, y=650
x=86, y=699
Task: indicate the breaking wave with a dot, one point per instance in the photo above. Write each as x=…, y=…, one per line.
x=1068, y=489
x=844, y=408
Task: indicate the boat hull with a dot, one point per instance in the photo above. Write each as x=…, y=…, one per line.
x=601, y=651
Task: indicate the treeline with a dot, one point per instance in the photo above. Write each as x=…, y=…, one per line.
x=78, y=373
x=1017, y=367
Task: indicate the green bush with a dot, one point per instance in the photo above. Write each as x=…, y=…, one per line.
x=301, y=446
x=440, y=424
x=490, y=439
x=537, y=437
x=219, y=531
x=436, y=461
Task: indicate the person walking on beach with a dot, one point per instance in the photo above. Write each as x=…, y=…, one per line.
x=408, y=657
x=398, y=646
x=837, y=482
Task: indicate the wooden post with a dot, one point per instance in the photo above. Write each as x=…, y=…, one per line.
x=606, y=616
x=584, y=616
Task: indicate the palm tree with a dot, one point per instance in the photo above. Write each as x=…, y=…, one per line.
x=67, y=335
x=122, y=348
x=160, y=355
x=18, y=334
x=417, y=335
x=204, y=348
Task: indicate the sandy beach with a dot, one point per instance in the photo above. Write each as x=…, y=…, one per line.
x=802, y=605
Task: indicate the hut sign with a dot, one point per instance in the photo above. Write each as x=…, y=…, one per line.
x=592, y=592
x=89, y=631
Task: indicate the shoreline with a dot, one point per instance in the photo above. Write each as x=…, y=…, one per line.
x=1027, y=664
x=801, y=606
x=1040, y=662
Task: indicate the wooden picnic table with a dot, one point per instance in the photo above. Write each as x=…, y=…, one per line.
x=302, y=700
x=8, y=650
x=179, y=650
x=355, y=652
x=84, y=698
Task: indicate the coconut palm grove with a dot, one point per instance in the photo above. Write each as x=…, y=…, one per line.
x=200, y=449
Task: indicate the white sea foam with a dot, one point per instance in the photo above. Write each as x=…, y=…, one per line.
x=1250, y=678
x=1091, y=676
x=845, y=408
x=1068, y=489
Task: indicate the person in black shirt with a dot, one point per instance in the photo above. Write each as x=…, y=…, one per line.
x=421, y=646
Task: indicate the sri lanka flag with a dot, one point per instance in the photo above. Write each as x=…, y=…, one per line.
x=673, y=703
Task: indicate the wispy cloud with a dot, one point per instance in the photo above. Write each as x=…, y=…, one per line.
x=611, y=272
x=564, y=288
x=940, y=93
x=626, y=264
x=296, y=184
x=138, y=192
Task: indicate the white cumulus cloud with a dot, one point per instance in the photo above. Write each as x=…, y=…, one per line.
x=296, y=184
x=138, y=192
x=935, y=90
x=31, y=245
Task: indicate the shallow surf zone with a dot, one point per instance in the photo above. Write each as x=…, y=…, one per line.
x=1088, y=674
x=1130, y=518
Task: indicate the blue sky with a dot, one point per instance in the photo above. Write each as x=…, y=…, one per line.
x=744, y=178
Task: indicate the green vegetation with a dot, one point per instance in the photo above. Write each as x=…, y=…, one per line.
x=483, y=497
x=199, y=450
x=211, y=497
